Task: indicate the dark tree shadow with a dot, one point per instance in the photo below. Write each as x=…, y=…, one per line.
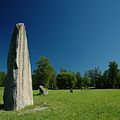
x=37, y=94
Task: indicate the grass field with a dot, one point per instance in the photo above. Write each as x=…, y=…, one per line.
x=62, y=105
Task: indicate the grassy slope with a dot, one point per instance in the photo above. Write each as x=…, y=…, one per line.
x=81, y=105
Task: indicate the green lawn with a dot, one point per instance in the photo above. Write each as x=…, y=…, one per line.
x=62, y=105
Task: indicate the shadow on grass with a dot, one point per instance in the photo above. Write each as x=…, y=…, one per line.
x=37, y=94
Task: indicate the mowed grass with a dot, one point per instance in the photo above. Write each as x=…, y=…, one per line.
x=63, y=105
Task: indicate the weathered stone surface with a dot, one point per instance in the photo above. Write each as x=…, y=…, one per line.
x=43, y=90
x=18, y=84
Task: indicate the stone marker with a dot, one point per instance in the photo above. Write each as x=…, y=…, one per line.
x=43, y=90
x=71, y=91
x=18, y=84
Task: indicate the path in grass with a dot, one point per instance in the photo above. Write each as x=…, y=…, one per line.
x=80, y=105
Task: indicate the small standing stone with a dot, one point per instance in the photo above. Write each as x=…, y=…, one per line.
x=18, y=84
x=71, y=91
x=43, y=90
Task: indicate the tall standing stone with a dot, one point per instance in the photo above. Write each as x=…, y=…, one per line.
x=18, y=84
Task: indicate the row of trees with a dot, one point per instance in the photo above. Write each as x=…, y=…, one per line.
x=109, y=79
x=45, y=75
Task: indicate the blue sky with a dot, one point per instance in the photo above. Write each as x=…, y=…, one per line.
x=74, y=34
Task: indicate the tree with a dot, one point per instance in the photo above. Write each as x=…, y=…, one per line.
x=105, y=81
x=66, y=80
x=79, y=80
x=86, y=81
x=95, y=77
x=44, y=74
x=52, y=82
x=118, y=79
x=2, y=78
x=35, y=82
x=112, y=74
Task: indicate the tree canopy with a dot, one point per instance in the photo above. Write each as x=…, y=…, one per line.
x=44, y=74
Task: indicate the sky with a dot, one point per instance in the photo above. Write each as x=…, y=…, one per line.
x=77, y=35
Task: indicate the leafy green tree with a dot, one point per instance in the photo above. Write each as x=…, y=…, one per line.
x=66, y=80
x=105, y=81
x=86, y=81
x=95, y=76
x=52, y=82
x=113, y=74
x=2, y=78
x=44, y=74
x=79, y=80
x=35, y=82
x=111, y=77
x=118, y=79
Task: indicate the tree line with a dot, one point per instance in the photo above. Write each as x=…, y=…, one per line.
x=45, y=75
